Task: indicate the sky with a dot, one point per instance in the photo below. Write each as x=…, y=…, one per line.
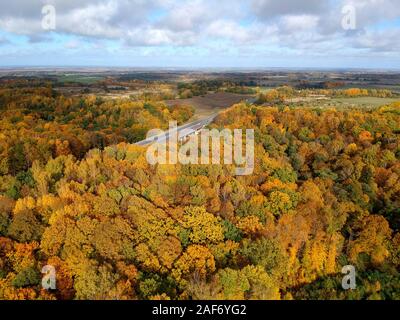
x=201, y=33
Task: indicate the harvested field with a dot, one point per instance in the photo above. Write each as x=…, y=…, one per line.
x=210, y=103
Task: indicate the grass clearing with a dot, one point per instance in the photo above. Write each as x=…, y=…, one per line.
x=365, y=101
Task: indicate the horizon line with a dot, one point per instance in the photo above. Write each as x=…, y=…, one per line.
x=177, y=68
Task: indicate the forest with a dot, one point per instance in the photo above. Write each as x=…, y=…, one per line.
x=202, y=87
x=76, y=193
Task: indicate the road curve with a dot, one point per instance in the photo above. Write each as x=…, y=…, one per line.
x=195, y=126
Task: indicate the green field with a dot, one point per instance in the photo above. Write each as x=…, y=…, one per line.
x=83, y=79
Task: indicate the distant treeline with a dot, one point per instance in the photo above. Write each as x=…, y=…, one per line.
x=202, y=87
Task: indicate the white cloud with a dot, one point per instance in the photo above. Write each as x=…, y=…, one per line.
x=158, y=37
x=232, y=31
x=93, y=20
x=313, y=25
x=188, y=16
x=381, y=41
x=269, y=9
x=19, y=25
x=296, y=23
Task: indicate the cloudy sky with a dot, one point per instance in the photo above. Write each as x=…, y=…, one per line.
x=201, y=33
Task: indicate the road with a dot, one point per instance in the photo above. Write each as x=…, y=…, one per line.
x=187, y=129
x=183, y=131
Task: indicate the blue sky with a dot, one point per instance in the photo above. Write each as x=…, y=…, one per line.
x=202, y=33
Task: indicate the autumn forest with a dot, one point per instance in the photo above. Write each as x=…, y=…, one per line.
x=77, y=193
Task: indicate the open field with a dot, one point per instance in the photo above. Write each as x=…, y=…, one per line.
x=210, y=103
x=76, y=78
x=363, y=101
x=327, y=102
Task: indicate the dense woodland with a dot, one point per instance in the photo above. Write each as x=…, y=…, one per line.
x=76, y=194
x=39, y=124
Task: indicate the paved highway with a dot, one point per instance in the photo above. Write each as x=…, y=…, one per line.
x=183, y=131
x=186, y=129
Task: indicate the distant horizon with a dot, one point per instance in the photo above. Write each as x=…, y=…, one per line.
x=194, y=68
